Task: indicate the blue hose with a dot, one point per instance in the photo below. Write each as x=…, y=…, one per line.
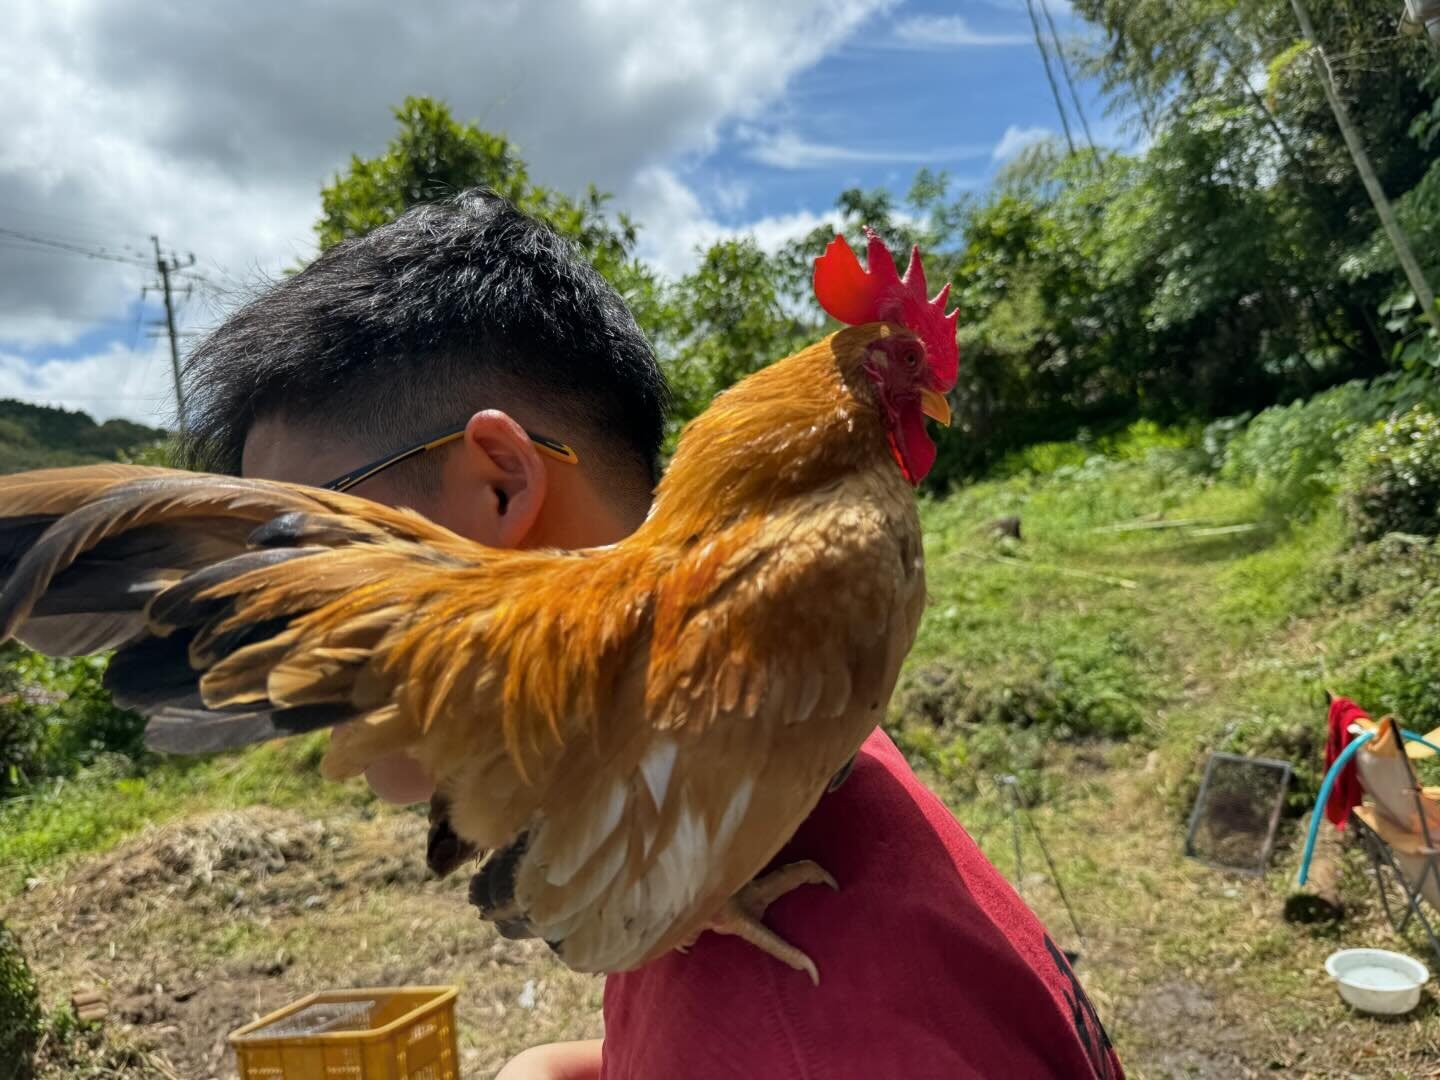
x=1329, y=782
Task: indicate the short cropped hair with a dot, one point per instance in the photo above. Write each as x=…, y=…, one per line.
x=454, y=306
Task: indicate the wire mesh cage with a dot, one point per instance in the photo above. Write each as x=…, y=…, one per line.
x=1237, y=810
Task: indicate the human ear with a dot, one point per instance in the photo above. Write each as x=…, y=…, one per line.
x=504, y=480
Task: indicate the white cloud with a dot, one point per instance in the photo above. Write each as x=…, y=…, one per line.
x=132, y=383
x=216, y=126
x=732, y=195
x=787, y=150
x=1017, y=138
x=949, y=32
x=678, y=228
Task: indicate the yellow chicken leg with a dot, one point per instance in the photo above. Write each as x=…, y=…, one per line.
x=742, y=913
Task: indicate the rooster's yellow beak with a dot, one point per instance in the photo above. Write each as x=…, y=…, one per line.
x=935, y=406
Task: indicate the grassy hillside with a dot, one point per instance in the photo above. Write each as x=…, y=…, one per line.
x=1168, y=597
x=38, y=437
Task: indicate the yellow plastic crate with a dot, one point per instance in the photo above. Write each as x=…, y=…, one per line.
x=390, y=1033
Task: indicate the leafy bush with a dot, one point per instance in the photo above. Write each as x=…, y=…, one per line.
x=20, y=1019
x=1081, y=691
x=1292, y=453
x=963, y=733
x=1392, y=477
x=1144, y=441
x=964, y=760
x=1217, y=437
x=1044, y=459
x=1402, y=684
x=163, y=452
x=55, y=718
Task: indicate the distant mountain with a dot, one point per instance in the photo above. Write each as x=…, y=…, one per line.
x=37, y=437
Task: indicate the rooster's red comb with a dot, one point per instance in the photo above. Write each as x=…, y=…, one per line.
x=854, y=296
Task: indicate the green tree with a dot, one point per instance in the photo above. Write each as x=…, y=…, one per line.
x=433, y=155
x=742, y=308
x=727, y=318
x=1228, y=86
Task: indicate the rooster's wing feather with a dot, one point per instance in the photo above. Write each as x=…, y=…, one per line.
x=772, y=651
x=86, y=554
x=633, y=731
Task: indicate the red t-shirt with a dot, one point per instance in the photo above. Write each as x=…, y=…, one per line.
x=930, y=965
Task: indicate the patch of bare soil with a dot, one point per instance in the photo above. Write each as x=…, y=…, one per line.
x=200, y=926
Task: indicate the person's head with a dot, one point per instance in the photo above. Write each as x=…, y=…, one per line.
x=460, y=313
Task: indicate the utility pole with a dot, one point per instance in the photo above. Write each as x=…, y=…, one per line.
x=1393, y=231
x=166, y=267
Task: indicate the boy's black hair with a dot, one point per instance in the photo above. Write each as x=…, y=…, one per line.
x=454, y=306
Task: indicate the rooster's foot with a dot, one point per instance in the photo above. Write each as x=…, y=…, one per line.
x=742, y=913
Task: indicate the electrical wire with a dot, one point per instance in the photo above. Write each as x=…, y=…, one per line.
x=1019, y=809
x=73, y=249
x=1070, y=82
x=1050, y=75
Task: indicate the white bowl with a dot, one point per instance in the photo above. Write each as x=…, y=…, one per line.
x=1377, y=981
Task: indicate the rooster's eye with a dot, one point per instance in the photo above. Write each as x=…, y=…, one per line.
x=911, y=359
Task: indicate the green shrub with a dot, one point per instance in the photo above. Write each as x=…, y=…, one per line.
x=19, y=1009
x=1141, y=442
x=1144, y=438
x=1215, y=440
x=1082, y=690
x=56, y=718
x=1292, y=453
x=1392, y=477
x=1295, y=454
x=964, y=761
x=1044, y=459
x=163, y=452
x=940, y=724
x=1402, y=684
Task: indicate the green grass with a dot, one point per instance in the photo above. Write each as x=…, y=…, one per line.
x=1226, y=641
x=1099, y=661
x=98, y=809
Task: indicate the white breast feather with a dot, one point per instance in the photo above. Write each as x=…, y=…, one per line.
x=734, y=814
x=656, y=767
x=600, y=822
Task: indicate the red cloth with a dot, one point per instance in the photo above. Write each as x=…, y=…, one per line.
x=1346, y=793
x=930, y=965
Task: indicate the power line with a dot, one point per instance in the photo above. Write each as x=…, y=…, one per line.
x=61, y=244
x=71, y=226
x=1050, y=75
x=169, y=267
x=1070, y=82
x=73, y=249
x=139, y=319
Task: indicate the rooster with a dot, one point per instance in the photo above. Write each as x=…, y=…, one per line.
x=631, y=732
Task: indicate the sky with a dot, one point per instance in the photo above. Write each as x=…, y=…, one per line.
x=214, y=126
